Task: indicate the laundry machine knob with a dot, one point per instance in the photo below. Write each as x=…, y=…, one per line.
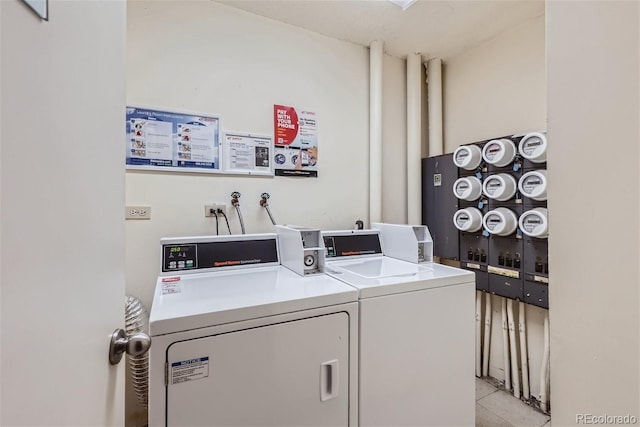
x=309, y=260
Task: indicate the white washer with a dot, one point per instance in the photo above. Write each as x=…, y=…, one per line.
x=239, y=340
x=417, y=338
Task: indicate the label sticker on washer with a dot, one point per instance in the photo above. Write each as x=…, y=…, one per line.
x=171, y=285
x=189, y=370
x=437, y=179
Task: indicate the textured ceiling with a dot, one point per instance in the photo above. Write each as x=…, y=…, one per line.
x=433, y=28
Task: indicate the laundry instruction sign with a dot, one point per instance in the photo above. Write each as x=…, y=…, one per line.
x=296, y=141
x=165, y=140
x=189, y=370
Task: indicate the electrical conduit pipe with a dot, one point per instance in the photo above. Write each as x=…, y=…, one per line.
x=524, y=354
x=545, y=366
x=514, y=350
x=505, y=346
x=487, y=336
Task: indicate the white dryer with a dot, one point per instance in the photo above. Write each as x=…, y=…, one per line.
x=417, y=338
x=239, y=340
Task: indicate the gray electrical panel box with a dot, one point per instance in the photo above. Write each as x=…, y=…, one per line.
x=486, y=191
x=439, y=204
x=505, y=267
x=462, y=193
x=474, y=252
x=536, y=272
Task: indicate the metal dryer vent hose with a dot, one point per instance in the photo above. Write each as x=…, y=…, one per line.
x=137, y=320
x=236, y=204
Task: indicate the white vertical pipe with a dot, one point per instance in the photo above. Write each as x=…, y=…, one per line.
x=414, y=139
x=487, y=336
x=434, y=102
x=545, y=365
x=514, y=350
x=376, y=54
x=524, y=354
x=478, y=333
x=505, y=346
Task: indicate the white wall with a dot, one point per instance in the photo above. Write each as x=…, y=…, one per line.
x=210, y=58
x=495, y=89
x=593, y=56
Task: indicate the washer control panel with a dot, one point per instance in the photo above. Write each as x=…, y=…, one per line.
x=216, y=254
x=342, y=245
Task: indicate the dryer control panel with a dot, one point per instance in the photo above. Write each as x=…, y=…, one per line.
x=214, y=253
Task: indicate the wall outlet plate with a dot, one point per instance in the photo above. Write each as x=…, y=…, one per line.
x=137, y=212
x=215, y=207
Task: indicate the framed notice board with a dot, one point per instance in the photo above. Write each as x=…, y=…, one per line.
x=172, y=141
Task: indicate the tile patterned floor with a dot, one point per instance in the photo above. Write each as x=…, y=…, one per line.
x=497, y=408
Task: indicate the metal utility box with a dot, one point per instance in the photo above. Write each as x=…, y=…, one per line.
x=439, y=204
x=536, y=272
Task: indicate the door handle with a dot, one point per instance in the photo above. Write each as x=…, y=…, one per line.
x=329, y=387
x=135, y=345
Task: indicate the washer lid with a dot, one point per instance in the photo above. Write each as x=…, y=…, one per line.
x=375, y=277
x=194, y=301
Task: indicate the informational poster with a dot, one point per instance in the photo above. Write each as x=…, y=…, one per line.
x=296, y=141
x=247, y=154
x=162, y=140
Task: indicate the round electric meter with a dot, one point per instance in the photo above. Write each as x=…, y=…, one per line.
x=533, y=185
x=468, y=219
x=500, y=221
x=499, y=152
x=467, y=157
x=500, y=187
x=533, y=146
x=535, y=223
x=467, y=188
